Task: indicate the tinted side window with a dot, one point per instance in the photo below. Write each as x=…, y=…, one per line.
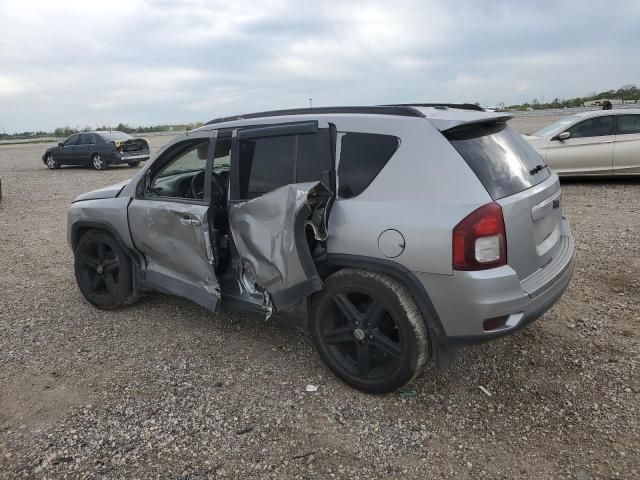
x=71, y=140
x=266, y=163
x=86, y=139
x=592, y=127
x=362, y=157
x=628, y=124
x=312, y=159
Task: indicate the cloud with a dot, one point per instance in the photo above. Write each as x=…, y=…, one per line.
x=149, y=61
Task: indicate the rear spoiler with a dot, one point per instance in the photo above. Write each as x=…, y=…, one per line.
x=448, y=124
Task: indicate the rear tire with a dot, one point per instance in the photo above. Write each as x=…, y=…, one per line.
x=134, y=164
x=369, y=331
x=52, y=163
x=103, y=271
x=97, y=162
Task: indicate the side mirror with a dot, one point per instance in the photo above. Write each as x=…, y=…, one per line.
x=60, y=144
x=564, y=135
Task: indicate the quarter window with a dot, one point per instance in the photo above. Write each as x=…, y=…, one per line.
x=592, y=127
x=628, y=124
x=362, y=157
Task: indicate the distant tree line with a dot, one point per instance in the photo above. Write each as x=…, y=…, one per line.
x=62, y=132
x=626, y=92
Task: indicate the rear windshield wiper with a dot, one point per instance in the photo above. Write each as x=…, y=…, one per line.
x=537, y=169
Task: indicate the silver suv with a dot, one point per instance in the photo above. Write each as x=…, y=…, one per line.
x=392, y=234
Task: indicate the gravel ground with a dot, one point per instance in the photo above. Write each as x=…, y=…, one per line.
x=164, y=389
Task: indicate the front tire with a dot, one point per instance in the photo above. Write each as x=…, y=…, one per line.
x=97, y=162
x=369, y=331
x=52, y=163
x=103, y=271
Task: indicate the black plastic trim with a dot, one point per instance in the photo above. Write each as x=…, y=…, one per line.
x=461, y=106
x=278, y=129
x=398, y=110
x=98, y=225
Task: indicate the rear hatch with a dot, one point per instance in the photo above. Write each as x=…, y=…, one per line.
x=517, y=178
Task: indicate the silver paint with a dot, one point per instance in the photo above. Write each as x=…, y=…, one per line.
x=105, y=192
x=263, y=231
x=173, y=248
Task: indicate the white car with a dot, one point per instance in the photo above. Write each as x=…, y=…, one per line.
x=601, y=142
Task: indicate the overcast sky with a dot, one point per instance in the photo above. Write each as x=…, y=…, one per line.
x=146, y=62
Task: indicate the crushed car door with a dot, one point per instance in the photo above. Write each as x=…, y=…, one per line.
x=170, y=221
x=282, y=182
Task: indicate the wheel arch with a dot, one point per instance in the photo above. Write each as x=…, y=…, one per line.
x=80, y=228
x=403, y=275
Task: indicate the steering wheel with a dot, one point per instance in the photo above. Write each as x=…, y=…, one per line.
x=197, y=191
x=218, y=190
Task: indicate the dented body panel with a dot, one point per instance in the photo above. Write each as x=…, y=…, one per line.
x=424, y=190
x=269, y=235
x=174, y=239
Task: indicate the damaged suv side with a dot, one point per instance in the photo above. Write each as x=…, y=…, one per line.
x=390, y=234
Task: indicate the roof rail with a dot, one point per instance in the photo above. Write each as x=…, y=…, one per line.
x=462, y=106
x=400, y=110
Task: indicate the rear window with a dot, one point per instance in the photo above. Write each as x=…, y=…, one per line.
x=113, y=136
x=501, y=159
x=362, y=156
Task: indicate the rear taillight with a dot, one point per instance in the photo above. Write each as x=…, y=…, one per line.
x=480, y=240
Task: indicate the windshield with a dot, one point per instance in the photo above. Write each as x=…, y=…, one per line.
x=550, y=129
x=502, y=160
x=115, y=136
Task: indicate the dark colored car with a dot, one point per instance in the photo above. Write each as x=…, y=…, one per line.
x=97, y=150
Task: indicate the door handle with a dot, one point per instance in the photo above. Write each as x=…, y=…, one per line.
x=607, y=141
x=194, y=222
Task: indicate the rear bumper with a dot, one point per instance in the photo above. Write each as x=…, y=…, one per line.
x=465, y=300
x=117, y=158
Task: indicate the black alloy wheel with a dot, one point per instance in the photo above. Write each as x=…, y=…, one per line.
x=103, y=270
x=369, y=331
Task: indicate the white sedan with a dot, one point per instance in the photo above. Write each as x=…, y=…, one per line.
x=602, y=142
